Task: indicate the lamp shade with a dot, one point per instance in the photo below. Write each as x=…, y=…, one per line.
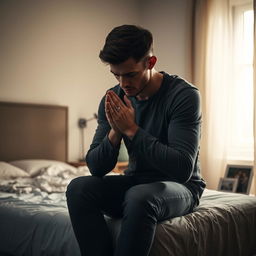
x=123, y=154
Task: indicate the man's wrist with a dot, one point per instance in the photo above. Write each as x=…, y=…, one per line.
x=114, y=137
x=131, y=132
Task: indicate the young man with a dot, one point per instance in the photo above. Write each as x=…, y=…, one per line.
x=158, y=117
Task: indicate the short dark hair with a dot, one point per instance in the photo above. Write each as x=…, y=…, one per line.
x=124, y=42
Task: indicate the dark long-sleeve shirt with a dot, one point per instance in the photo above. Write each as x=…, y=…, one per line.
x=166, y=145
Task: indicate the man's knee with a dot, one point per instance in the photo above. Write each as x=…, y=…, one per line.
x=140, y=200
x=81, y=185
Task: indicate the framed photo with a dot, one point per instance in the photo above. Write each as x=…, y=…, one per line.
x=244, y=174
x=228, y=184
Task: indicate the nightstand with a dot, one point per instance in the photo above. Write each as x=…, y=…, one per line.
x=77, y=164
x=120, y=167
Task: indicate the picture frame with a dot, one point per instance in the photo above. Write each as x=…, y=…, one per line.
x=228, y=184
x=244, y=174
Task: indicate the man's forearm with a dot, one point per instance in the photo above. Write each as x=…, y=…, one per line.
x=114, y=137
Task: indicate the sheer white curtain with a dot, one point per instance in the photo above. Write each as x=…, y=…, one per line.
x=212, y=73
x=212, y=56
x=254, y=75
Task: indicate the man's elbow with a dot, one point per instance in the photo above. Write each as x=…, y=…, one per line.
x=98, y=172
x=185, y=171
x=188, y=171
x=186, y=177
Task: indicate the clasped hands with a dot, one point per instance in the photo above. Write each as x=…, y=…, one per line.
x=120, y=116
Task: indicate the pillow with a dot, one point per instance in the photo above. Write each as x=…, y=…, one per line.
x=8, y=171
x=33, y=166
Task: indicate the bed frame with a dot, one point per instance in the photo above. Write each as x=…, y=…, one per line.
x=33, y=131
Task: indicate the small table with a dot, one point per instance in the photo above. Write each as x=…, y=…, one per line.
x=77, y=164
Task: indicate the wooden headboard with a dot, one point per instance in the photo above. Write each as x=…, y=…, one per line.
x=33, y=131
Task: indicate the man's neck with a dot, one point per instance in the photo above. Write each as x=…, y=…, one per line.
x=152, y=86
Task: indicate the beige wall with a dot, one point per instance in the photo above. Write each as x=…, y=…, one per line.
x=49, y=50
x=171, y=24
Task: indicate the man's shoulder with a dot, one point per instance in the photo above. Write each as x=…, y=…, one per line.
x=177, y=88
x=178, y=83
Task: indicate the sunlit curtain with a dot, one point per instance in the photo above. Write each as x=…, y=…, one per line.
x=254, y=76
x=211, y=69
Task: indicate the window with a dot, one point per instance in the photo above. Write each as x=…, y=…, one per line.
x=241, y=104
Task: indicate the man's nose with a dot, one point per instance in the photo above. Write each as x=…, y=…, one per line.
x=123, y=81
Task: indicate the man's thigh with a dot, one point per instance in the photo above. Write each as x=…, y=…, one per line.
x=168, y=199
x=105, y=193
x=113, y=192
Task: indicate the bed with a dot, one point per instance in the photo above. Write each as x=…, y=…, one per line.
x=33, y=215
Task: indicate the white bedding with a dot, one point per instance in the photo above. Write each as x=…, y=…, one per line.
x=50, y=179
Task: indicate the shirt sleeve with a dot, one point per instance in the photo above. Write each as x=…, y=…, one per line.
x=175, y=159
x=102, y=155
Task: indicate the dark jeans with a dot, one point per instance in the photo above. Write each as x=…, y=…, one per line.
x=140, y=202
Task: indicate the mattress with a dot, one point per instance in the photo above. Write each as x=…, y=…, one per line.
x=223, y=224
x=34, y=219
x=38, y=224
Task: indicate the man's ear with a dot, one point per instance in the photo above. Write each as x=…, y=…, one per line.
x=152, y=61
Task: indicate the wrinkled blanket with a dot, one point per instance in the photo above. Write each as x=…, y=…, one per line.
x=50, y=179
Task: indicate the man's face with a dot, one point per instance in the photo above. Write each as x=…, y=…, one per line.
x=131, y=75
